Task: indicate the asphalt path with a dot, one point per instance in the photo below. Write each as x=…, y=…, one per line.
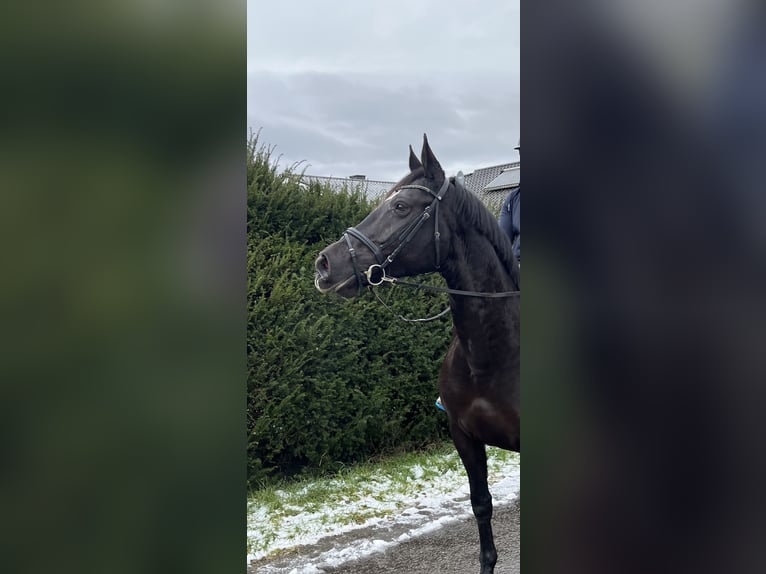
x=452, y=549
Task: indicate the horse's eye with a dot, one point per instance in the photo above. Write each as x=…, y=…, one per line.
x=400, y=206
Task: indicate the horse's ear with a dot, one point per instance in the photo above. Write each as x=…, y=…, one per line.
x=414, y=161
x=431, y=167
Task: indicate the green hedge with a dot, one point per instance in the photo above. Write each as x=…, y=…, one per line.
x=330, y=381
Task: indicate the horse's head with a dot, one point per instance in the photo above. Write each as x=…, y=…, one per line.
x=401, y=237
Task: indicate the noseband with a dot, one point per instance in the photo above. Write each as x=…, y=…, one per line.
x=376, y=273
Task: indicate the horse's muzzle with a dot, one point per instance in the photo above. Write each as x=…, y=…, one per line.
x=336, y=272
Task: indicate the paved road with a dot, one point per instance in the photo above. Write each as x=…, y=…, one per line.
x=452, y=549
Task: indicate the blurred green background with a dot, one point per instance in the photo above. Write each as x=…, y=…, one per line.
x=123, y=291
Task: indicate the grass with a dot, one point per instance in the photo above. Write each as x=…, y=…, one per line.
x=283, y=515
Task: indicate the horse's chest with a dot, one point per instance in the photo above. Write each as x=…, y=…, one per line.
x=491, y=422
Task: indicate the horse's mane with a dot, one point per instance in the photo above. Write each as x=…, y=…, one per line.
x=475, y=214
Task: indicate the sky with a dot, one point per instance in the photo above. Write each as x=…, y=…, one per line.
x=346, y=85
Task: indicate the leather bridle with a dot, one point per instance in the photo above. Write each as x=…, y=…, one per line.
x=376, y=273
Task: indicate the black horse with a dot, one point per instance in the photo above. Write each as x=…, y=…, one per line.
x=428, y=223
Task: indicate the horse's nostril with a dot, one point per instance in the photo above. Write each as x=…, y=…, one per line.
x=322, y=266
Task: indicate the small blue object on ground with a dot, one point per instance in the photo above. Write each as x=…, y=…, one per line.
x=439, y=404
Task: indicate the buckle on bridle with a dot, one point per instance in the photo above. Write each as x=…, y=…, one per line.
x=376, y=274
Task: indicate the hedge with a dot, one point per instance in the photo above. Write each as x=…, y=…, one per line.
x=330, y=381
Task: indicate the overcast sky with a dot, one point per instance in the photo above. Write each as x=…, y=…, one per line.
x=347, y=85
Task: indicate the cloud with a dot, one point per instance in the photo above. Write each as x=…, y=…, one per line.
x=347, y=93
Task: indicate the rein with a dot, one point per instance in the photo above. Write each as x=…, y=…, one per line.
x=403, y=318
x=395, y=281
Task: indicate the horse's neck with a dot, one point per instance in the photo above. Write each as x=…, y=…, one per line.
x=480, y=323
x=474, y=266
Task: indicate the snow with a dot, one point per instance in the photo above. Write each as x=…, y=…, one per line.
x=391, y=510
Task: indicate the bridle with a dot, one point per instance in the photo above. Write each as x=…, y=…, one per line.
x=376, y=273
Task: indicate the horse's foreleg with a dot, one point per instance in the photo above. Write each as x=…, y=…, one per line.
x=474, y=457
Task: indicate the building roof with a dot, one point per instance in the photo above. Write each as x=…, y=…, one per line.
x=492, y=184
x=477, y=180
x=508, y=179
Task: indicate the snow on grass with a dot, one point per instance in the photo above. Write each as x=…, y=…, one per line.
x=419, y=492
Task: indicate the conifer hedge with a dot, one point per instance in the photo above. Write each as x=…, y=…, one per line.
x=330, y=381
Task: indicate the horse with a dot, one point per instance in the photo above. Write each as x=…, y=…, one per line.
x=430, y=223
